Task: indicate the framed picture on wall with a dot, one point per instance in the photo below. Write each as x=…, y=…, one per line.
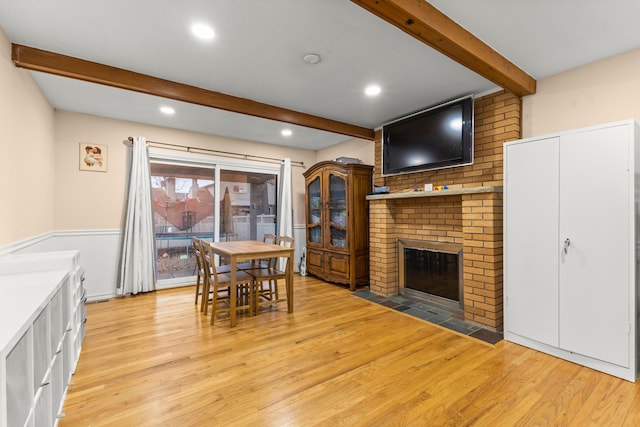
x=93, y=157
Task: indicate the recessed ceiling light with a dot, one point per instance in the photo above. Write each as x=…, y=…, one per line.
x=286, y=132
x=167, y=110
x=372, y=90
x=311, y=58
x=203, y=31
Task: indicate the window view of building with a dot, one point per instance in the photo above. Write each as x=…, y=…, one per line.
x=184, y=204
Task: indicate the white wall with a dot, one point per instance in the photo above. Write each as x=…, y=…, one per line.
x=27, y=153
x=356, y=148
x=601, y=92
x=95, y=200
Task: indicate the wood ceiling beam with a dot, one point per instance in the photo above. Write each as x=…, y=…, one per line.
x=427, y=24
x=53, y=63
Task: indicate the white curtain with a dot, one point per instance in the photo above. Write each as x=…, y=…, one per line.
x=285, y=204
x=137, y=266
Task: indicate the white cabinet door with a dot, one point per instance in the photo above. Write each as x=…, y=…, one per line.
x=41, y=348
x=531, y=240
x=42, y=407
x=595, y=211
x=18, y=382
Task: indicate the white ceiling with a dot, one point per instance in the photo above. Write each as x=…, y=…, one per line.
x=258, y=49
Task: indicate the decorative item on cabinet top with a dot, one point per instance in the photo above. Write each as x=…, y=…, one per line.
x=347, y=160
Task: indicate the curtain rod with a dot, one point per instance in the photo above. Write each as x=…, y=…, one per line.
x=188, y=149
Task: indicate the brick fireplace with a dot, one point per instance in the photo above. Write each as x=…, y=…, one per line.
x=469, y=213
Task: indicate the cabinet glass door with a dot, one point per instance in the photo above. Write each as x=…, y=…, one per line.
x=338, y=211
x=315, y=212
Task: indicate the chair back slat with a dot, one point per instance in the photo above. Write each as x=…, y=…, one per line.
x=209, y=260
x=198, y=254
x=287, y=242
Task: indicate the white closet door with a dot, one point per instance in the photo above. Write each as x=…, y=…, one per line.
x=531, y=240
x=594, y=220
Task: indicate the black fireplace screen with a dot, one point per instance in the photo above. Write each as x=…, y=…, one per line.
x=435, y=273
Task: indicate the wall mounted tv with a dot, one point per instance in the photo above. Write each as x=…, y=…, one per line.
x=435, y=138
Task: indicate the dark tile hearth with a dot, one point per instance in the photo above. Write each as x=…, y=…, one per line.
x=432, y=313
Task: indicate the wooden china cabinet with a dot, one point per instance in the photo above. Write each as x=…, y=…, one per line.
x=338, y=222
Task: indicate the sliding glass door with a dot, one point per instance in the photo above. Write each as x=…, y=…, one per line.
x=183, y=207
x=248, y=208
x=216, y=202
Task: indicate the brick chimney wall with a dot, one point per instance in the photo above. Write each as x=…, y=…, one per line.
x=472, y=220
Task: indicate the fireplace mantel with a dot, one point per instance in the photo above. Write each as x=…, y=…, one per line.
x=436, y=193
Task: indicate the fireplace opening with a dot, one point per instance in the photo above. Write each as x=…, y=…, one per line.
x=431, y=271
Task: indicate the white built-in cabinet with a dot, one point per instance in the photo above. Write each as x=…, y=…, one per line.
x=570, y=245
x=41, y=331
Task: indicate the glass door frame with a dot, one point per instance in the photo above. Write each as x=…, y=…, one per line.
x=157, y=155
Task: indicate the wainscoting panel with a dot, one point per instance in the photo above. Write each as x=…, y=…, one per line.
x=41, y=243
x=99, y=256
x=300, y=236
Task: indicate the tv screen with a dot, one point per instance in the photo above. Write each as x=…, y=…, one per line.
x=435, y=138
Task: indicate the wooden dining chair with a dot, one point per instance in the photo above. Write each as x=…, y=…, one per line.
x=266, y=279
x=195, y=242
x=219, y=285
x=200, y=266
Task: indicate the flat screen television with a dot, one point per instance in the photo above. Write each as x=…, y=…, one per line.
x=435, y=138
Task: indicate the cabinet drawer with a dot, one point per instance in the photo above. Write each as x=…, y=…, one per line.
x=338, y=264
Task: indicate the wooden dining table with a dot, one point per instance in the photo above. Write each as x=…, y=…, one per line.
x=244, y=250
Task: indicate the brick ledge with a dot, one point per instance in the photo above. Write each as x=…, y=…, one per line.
x=438, y=193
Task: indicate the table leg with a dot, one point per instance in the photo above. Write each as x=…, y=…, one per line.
x=290, y=283
x=204, y=302
x=233, y=291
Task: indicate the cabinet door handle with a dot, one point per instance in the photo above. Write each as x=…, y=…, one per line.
x=567, y=243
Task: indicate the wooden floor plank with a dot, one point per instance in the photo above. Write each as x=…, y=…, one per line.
x=338, y=360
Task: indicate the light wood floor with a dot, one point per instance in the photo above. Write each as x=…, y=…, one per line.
x=153, y=360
